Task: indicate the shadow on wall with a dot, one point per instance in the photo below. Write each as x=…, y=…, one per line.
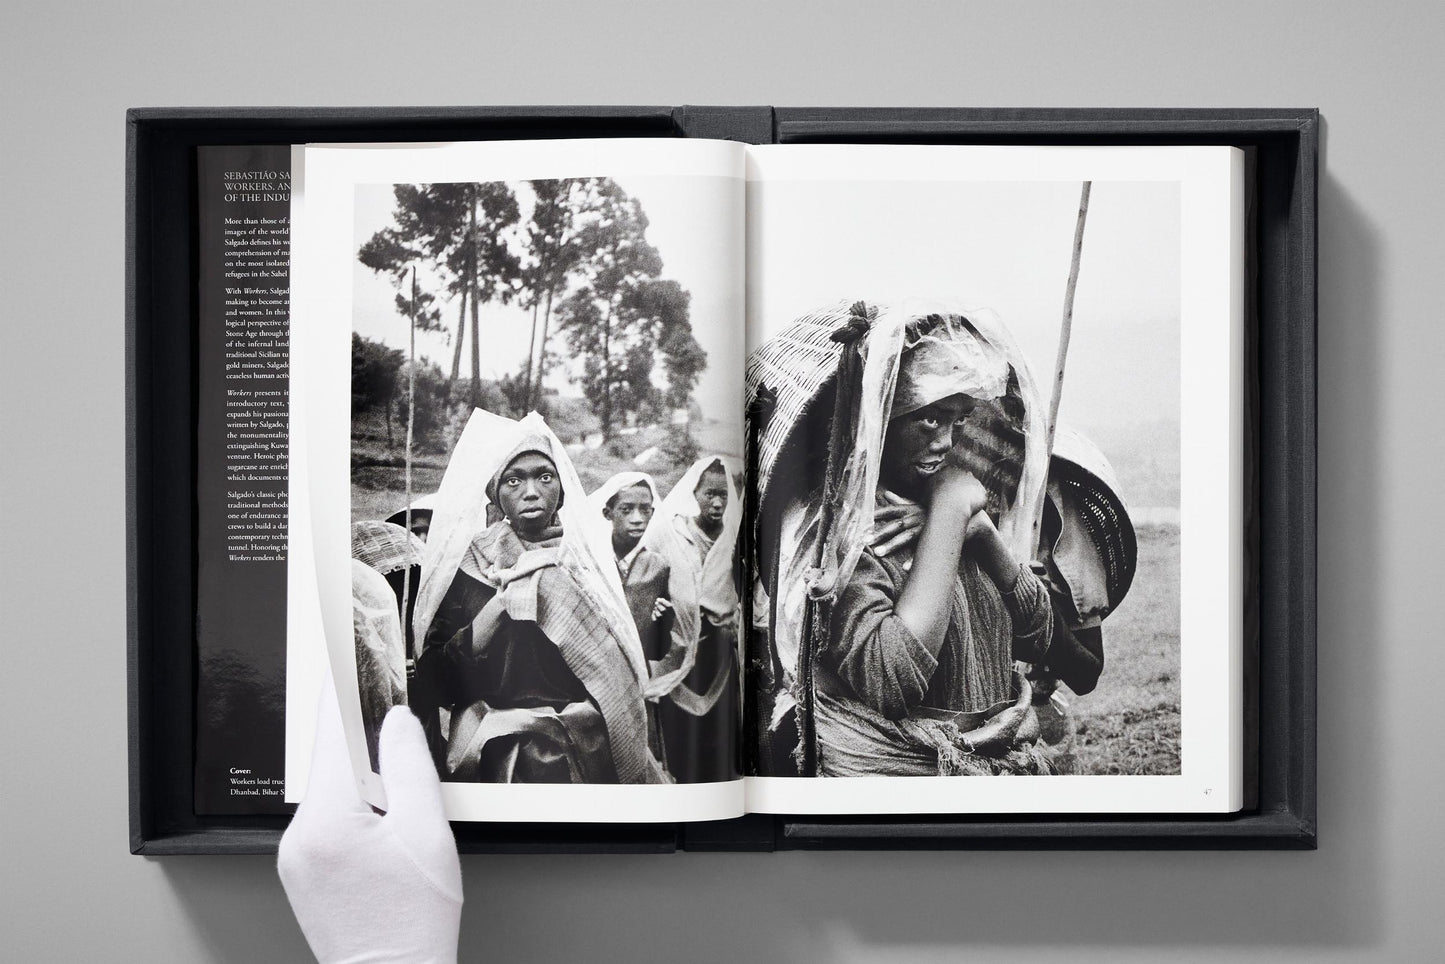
x=237, y=908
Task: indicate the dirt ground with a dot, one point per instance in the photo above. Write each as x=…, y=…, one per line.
x=1130, y=722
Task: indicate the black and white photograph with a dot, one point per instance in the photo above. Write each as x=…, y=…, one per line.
x=545, y=478
x=858, y=462
x=965, y=431
x=908, y=665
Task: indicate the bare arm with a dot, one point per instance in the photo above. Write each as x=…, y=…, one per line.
x=486, y=625
x=1023, y=594
x=887, y=630
x=869, y=648
x=993, y=556
x=923, y=604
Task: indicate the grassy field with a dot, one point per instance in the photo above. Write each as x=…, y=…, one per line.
x=1130, y=723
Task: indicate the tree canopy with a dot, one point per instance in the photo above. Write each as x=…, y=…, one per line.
x=581, y=259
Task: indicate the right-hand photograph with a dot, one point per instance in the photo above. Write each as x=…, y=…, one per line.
x=967, y=521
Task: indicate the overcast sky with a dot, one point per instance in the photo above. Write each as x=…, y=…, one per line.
x=1004, y=246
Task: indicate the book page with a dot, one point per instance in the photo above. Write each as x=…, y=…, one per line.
x=243, y=207
x=990, y=542
x=520, y=365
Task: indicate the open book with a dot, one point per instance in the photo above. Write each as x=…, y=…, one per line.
x=673, y=480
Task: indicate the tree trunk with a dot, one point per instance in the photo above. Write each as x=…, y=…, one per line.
x=461, y=334
x=536, y=396
x=607, y=373
x=531, y=347
x=472, y=268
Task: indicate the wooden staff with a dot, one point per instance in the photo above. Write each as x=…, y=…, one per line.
x=410, y=422
x=1059, y=361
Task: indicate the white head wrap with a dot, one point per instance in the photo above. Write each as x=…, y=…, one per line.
x=487, y=444
x=661, y=538
x=717, y=592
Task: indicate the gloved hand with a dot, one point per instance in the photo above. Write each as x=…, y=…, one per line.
x=366, y=887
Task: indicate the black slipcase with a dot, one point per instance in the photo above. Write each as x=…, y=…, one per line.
x=161, y=391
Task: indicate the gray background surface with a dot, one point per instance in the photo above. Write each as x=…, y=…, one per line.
x=67, y=73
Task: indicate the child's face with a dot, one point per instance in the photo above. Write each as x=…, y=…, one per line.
x=916, y=445
x=629, y=512
x=712, y=495
x=528, y=492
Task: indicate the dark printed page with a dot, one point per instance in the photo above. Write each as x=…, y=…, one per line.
x=523, y=381
x=982, y=546
x=244, y=207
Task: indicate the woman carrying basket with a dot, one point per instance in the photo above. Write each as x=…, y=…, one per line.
x=903, y=663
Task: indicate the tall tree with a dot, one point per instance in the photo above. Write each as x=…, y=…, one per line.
x=460, y=230
x=622, y=317
x=663, y=305
x=556, y=247
x=491, y=270
x=418, y=235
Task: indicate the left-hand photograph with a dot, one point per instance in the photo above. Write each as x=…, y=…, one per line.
x=545, y=482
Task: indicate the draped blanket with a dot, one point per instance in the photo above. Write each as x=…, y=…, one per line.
x=708, y=568
x=682, y=584
x=534, y=588
x=834, y=379
x=568, y=588
x=931, y=742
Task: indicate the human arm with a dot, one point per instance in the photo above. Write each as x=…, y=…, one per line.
x=923, y=605
x=993, y=556
x=486, y=625
x=1024, y=595
x=869, y=649
x=888, y=626
x=896, y=523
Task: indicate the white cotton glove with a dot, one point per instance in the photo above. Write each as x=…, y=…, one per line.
x=366, y=887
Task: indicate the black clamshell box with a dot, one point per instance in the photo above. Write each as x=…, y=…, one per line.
x=1280, y=405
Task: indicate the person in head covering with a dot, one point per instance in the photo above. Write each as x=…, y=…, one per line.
x=420, y=512
x=527, y=648
x=700, y=715
x=627, y=506
x=711, y=493
x=628, y=501
x=901, y=662
x=706, y=513
x=1086, y=556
